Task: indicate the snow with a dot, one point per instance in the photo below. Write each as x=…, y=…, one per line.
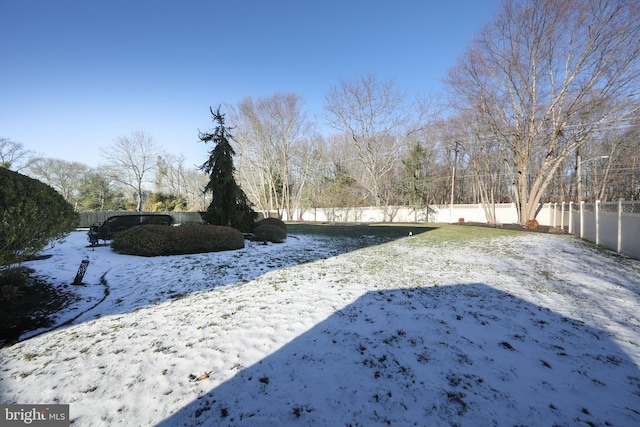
x=528, y=330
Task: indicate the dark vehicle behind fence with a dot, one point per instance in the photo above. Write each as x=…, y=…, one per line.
x=115, y=224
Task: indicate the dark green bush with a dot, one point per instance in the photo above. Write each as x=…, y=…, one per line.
x=269, y=233
x=153, y=240
x=32, y=214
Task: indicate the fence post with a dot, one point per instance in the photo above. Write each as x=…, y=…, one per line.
x=570, y=217
x=555, y=213
x=597, y=209
x=562, y=216
x=582, y=219
x=620, y=225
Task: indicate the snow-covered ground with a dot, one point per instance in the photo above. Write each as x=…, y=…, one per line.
x=526, y=330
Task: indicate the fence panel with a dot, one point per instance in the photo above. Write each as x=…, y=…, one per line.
x=613, y=225
x=630, y=236
x=608, y=230
x=91, y=217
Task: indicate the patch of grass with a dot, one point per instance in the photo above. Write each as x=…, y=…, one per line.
x=363, y=235
x=447, y=232
x=508, y=346
x=387, y=232
x=299, y=410
x=458, y=398
x=224, y=413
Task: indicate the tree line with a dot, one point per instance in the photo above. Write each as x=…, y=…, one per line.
x=136, y=174
x=541, y=107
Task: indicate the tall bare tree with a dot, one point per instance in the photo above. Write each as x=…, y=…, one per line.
x=131, y=161
x=547, y=75
x=378, y=119
x=273, y=134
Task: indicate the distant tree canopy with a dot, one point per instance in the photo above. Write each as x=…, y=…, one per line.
x=32, y=214
x=229, y=205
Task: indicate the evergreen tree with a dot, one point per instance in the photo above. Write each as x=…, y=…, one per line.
x=229, y=205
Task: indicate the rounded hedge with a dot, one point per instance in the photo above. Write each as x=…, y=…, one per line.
x=269, y=233
x=275, y=222
x=154, y=240
x=32, y=214
x=270, y=230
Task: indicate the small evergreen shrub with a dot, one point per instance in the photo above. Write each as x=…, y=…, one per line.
x=532, y=224
x=269, y=233
x=154, y=240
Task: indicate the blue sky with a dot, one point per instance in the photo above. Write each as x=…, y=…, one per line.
x=76, y=75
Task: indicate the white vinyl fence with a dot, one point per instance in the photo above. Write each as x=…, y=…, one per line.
x=504, y=213
x=614, y=225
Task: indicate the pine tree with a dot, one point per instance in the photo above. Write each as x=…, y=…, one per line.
x=229, y=205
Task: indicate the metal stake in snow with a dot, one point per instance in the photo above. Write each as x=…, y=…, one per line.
x=81, y=270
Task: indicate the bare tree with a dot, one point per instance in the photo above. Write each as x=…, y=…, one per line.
x=65, y=177
x=131, y=161
x=607, y=160
x=14, y=156
x=544, y=77
x=183, y=181
x=273, y=134
x=378, y=120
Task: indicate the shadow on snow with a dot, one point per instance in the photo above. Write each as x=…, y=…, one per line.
x=109, y=299
x=463, y=354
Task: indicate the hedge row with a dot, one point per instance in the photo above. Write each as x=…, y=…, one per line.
x=153, y=240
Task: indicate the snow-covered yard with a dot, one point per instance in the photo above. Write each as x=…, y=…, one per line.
x=533, y=329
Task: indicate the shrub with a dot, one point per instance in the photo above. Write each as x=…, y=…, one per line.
x=274, y=222
x=269, y=233
x=532, y=224
x=32, y=214
x=153, y=240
